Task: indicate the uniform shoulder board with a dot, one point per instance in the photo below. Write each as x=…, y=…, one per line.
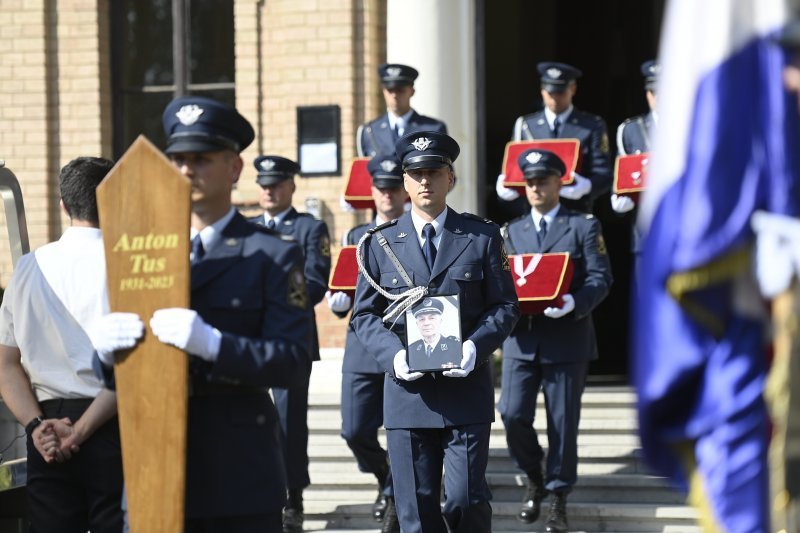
x=476, y=217
x=304, y=214
x=392, y=222
x=452, y=338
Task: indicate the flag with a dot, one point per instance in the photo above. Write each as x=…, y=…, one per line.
x=725, y=147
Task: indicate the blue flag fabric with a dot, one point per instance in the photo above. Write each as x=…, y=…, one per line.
x=726, y=145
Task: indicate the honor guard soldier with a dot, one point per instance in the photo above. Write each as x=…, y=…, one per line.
x=362, y=376
x=441, y=419
x=247, y=331
x=276, y=178
x=552, y=350
x=379, y=136
x=634, y=137
x=560, y=119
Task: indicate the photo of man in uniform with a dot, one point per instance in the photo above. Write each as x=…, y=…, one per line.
x=434, y=351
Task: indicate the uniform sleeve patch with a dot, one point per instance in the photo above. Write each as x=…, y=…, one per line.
x=504, y=257
x=604, y=143
x=325, y=246
x=601, y=245
x=297, y=295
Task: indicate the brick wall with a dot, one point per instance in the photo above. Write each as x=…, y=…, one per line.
x=55, y=103
x=292, y=53
x=56, y=100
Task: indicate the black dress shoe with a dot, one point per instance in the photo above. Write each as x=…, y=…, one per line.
x=557, y=519
x=532, y=501
x=292, y=520
x=390, y=522
x=379, y=507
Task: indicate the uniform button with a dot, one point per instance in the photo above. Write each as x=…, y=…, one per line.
x=261, y=419
x=394, y=281
x=236, y=302
x=468, y=275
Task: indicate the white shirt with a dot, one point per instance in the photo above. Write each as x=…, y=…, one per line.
x=401, y=121
x=562, y=118
x=437, y=223
x=211, y=234
x=277, y=218
x=432, y=345
x=549, y=217
x=54, y=295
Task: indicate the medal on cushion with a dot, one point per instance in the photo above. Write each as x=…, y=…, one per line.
x=523, y=271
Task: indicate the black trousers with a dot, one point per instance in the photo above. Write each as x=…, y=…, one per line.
x=266, y=523
x=83, y=493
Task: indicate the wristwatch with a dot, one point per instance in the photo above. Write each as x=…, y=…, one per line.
x=33, y=424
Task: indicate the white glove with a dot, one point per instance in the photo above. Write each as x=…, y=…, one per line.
x=401, y=370
x=338, y=302
x=469, y=353
x=114, y=331
x=184, y=329
x=558, y=312
x=622, y=204
x=346, y=207
x=577, y=190
x=505, y=193
x=777, y=251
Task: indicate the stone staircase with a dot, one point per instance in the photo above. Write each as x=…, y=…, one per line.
x=615, y=493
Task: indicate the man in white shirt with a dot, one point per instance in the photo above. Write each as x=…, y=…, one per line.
x=46, y=377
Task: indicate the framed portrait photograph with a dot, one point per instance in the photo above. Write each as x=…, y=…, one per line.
x=433, y=329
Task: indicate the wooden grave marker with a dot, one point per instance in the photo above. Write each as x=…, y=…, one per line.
x=145, y=210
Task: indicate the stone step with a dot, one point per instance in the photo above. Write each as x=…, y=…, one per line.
x=615, y=491
x=604, y=396
x=322, y=525
x=620, y=518
x=319, y=422
x=627, y=440
x=601, y=468
x=508, y=487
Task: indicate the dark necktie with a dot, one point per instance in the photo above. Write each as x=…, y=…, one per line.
x=428, y=249
x=198, y=252
x=396, y=130
x=542, y=231
x=556, y=124
x=428, y=350
x=271, y=223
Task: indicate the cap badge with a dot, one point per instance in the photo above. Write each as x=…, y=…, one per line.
x=427, y=303
x=554, y=72
x=394, y=71
x=189, y=114
x=421, y=143
x=388, y=165
x=655, y=69
x=267, y=164
x=533, y=157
